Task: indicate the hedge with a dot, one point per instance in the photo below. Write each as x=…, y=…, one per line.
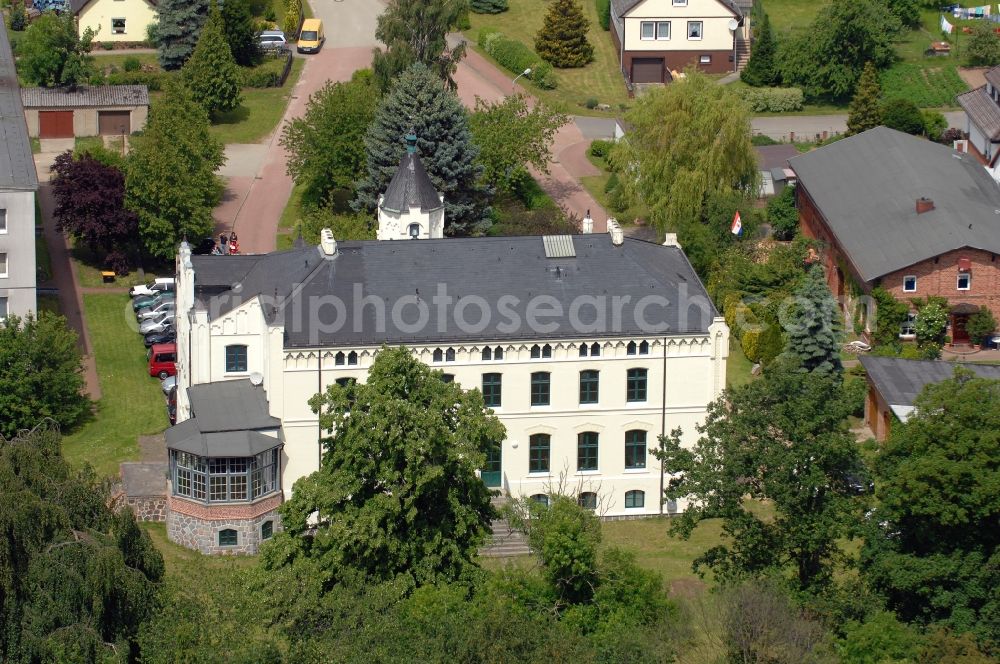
x=270, y=74
x=604, y=13
x=514, y=56
x=772, y=100
x=151, y=79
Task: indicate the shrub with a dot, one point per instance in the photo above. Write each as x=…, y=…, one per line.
x=771, y=344
x=604, y=14
x=18, y=17
x=293, y=16
x=265, y=75
x=772, y=100
x=154, y=80
x=600, y=148
x=855, y=391
x=934, y=124
x=782, y=214
x=488, y=6
x=515, y=56
x=591, y=103
x=981, y=325
x=902, y=115
x=132, y=63
x=763, y=139
x=751, y=344
x=108, y=46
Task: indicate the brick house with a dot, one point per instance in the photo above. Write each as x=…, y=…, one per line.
x=901, y=212
x=982, y=117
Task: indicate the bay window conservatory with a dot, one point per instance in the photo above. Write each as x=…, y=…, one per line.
x=230, y=479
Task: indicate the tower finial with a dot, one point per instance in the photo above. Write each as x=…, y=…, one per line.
x=411, y=142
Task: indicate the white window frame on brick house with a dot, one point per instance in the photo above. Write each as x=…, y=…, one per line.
x=968, y=281
x=908, y=278
x=649, y=26
x=663, y=28
x=705, y=59
x=908, y=328
x=701, y=30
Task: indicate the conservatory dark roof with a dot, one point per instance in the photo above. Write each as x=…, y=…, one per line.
x=229, y=418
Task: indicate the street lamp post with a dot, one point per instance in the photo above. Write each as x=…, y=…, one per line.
x=526, y=72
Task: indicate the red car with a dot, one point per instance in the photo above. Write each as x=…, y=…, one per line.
x=162, y=360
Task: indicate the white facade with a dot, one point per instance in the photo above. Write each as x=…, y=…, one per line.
x=715, y=33
x=684, y=373
x=18, y=268
x=414, y=224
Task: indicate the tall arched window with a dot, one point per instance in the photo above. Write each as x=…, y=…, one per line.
x=586, y=450
x=339, y=359
x=588, y=500
x=583, y=350
x=595, y=349
x=498, y=353
x=438, y=355
x=352, y=358
x=539, y=453
x=546, y=351
x=630, y=349
x=449, y=355
x=635, y=449
x=536, y=352
x=644, y=348
x=487, y=354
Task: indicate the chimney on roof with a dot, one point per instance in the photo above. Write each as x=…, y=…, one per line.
x=670, y=240
x=924, y=204
x=588, y=223
x=327, y=242
x=615, y=230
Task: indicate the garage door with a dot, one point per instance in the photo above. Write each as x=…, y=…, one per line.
x=113, y=123
x=647, y=70
x=55, y=124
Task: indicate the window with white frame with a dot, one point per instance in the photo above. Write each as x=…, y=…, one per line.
x=680, y=3
x=663, y=30
x=655, y=30
x=910, y=284
x=3, y=220
x=695, y=30
x=3, y=264
x=117, y=26
x=908, y=328
x=964, y=280
x=705, y=59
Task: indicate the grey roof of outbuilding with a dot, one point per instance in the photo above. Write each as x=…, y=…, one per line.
x=866, y=187
x=992, y=76
x=84, y=97
x=230, y=405
x=770, y=157
x=186, y=437
x=17, y=166
x=983, y=111
x=308, y=285
x=411, y=187
x=899, y=381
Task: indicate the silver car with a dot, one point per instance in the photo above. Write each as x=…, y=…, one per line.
x=159, y=324
x=272, y=40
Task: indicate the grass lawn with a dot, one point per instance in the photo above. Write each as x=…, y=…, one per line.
x=289, y=217
x=88, y=271
x=105, y=59
x=259, y=113
x=131, y=402
x=737, y=365
x=600, y=80
x=595, y=185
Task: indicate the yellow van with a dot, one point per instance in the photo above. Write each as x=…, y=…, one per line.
x=311, y=36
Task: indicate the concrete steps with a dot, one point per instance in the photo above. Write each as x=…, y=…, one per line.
x=505, y=542
x=742, y=54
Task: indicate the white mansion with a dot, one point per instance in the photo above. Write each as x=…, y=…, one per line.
x=587, y=347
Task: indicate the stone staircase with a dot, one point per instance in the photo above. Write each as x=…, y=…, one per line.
x=505, y=542
x=742, y=54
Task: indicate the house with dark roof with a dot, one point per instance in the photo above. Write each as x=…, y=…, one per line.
x=18, y=185
x=914, y=217
x=103, y=110
x=982, y=113
x=772, y=162
x=657, y=37
x=895, y=383
x=586, y=346
x=115, y=20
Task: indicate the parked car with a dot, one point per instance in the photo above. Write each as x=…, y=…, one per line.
x=153, y=312
x=165, y=337
x=144, y=301
x=166, y=322
x=272, y=40
x=169, y=383
x=172, y=405
x=311, y=36
x=155, y=287
x=162, y=360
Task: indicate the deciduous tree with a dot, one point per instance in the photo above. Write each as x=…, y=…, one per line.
x=178, y=29
x=396, y=494
x=53, y=54
x=562, y=40
x=812, y=326
x=865, y=111
x=419, y=102
x=762, y=67
x=688, y=141
x=41, y=374
x=902, y=114
x=933, y=545
x=781, y=439
x=326, y=145
x=414, y=31
x=211, y=73
x=510, y=136
x=170, y=182
x=982, y=49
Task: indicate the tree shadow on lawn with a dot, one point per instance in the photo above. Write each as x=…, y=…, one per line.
x=235, y=116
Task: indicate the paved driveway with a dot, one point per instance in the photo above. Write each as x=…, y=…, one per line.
x=256, y=195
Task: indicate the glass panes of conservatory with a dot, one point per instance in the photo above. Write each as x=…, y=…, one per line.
x=224, y=479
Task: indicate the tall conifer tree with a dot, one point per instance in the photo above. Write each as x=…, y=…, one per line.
x=240, y=32
x=178, y=29
x=420, y=103
x=211, y=73
x=865, y=111
x=813, y=328
x=762, y=67
x=562, y=41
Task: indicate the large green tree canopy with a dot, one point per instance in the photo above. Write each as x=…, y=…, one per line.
x=396, y=494
x=415, y=31
x=211, y=72
x=933, y=546
x=53, y=54
x=76, y=579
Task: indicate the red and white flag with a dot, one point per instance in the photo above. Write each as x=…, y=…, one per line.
x=737, y=227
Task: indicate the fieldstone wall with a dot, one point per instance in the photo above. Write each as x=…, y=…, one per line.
x=148, y=508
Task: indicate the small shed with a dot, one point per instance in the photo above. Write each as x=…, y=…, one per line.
x=105, y=110
x=772, y=161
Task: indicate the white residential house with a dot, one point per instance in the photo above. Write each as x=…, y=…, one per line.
x=655, y=37
x=587, y=347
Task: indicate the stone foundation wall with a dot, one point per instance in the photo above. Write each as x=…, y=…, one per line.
x=203, y=534
x=148, y=508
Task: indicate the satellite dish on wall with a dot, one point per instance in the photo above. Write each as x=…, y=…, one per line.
x=733, y=24
x=256, y=378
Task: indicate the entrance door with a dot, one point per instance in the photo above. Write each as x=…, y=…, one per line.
x=491, y=474
x=647, y=70
x=55, y=124
x=958, y=333
x=113, y=123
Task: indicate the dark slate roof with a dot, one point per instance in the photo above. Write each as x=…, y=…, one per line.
x=411, y=187
x=983, y=111
x=866, y=187
x=993, y=76
x=307, y=283
x=899, y=381
x=770, y=157
x=622, y=7
x=230, y=405
x=83, y=97
x=17, y=166
x=228, y=418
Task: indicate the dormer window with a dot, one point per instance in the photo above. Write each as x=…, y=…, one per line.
x=414, y=231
